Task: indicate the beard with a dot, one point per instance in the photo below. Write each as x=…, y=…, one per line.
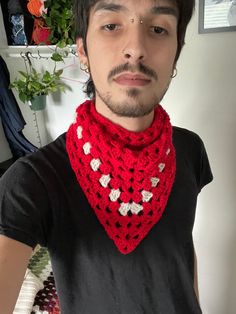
x=134, y=106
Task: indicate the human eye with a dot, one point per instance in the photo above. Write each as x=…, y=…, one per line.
x=110, y=27
x=159, y=30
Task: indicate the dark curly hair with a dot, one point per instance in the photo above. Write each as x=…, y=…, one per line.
x=81, y=13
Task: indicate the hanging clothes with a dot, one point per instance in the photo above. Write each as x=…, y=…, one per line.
x=28, y=20
x=16, y=16
x=11, y=116
x=17, y=7
x=18, y=22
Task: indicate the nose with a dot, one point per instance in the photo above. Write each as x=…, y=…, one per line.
x=134, y=49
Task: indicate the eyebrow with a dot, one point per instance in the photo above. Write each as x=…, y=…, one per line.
x=157, y=10
x=103, y=5
x=165, y=10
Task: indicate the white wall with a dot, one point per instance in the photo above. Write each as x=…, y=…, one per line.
x=202, y=98
x=60, y=107
x=30, y=130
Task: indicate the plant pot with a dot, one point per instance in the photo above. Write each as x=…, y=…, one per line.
x=38, y=103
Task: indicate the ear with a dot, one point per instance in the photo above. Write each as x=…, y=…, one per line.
x=81, y=52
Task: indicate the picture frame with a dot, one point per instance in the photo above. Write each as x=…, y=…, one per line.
x=217, y=16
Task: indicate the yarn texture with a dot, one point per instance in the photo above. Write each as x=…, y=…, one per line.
x=126, y=176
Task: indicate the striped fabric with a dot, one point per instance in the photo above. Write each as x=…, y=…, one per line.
x=40, y=264
x=29, y=289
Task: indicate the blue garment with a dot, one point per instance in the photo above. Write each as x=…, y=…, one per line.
x=11, y=116
x=18, y=33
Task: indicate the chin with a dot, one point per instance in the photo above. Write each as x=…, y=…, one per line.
x=131, y=109
x=133, y=104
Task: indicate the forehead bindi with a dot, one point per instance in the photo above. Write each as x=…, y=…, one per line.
x=154, y=7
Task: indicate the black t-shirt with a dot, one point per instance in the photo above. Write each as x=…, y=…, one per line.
x=41, y=202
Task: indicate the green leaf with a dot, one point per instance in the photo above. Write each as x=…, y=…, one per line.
x=47, y=77
x=70, y=42
x=21, y=84
x=56, y=57
x=23, y=97
x=59, y=72
x=61, y=44
x=24, y=74
x=34, y=71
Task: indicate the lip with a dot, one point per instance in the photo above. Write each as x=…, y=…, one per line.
x=132, y=80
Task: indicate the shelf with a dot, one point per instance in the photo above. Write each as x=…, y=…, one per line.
x=44, y=51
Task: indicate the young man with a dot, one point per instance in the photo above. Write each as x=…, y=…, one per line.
x=114, y=198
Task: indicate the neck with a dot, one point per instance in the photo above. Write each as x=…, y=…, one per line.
x=138, y=124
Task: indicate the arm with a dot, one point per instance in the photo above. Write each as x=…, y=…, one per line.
x=14, y=258
x=196, y=276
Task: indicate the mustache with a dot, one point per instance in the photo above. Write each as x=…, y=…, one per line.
x=129, y=67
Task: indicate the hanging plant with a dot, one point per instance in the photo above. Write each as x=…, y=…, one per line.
x=32, y=83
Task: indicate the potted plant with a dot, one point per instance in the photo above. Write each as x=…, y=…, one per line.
x=59, y=18
x=34, y=86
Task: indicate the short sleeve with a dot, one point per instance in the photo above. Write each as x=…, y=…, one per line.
x=24, y=205
x=204, y=172
x=191, y=154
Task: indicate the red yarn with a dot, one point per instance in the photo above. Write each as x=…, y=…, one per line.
x=47, y=298
x=56, y=309
x=126, y=176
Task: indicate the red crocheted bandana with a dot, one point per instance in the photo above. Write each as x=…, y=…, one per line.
x=126, y=176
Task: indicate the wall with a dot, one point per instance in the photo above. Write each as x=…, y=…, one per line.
x=37, y=137
x=60, y=107
x=202, y=98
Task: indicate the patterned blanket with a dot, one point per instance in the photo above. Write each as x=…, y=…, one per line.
x=38, y=293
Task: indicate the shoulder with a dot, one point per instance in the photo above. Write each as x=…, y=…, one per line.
x=51, y=156
x=183, y=137
x=40, y=166
x=191, y=154
x=55, y=148
x=188, y=144
x=29, y=191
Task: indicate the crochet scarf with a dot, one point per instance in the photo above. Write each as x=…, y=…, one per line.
x=126, y=176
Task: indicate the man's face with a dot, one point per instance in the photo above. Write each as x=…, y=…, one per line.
x=131, y=48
